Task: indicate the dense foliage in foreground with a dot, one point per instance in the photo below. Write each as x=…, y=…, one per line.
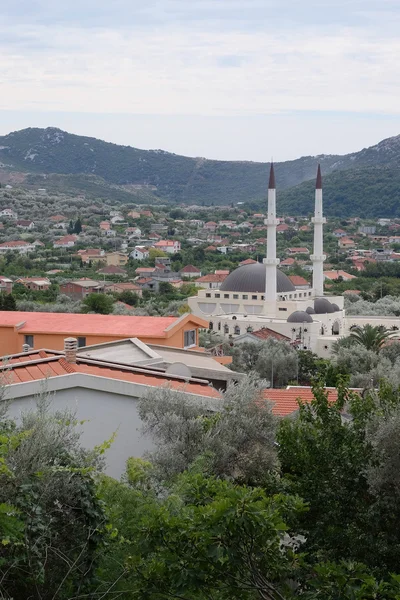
x=317, y=517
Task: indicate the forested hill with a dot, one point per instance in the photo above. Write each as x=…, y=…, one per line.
x=194, y=180
x=365, y=193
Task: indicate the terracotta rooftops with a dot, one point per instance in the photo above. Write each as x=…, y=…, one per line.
x=86, y=324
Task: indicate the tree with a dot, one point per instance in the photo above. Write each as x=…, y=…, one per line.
x=346, y=471
x=56, y=525
x=155, y=253
x=98, y=303
x=77, y=226
x=129, y=297
x=235, y=433
x=8, y=302
x=372, y=337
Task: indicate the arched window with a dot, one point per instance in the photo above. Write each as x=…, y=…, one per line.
x=322, y=330
x=219, y=326
x=336, y=328
x=236, y=330
x=234, y=318
x=211, y=326
x=226, y=329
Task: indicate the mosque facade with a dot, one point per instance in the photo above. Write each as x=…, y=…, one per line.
x=259, y=295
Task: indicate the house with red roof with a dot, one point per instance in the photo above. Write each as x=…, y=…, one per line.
x=190, y=271
x=67, y=241
x=300, y=283
x=17, y=246
x=48, y=330
x=211, y=281
x=168, y=246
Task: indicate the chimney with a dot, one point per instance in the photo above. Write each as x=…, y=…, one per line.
x=25, y=348
x=70, y=348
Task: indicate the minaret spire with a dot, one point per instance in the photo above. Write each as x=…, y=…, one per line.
x=318, y=257
x=271, y=262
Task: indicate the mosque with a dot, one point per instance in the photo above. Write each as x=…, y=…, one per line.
x=257, y=296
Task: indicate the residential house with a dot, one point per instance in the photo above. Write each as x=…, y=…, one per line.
x=48, y=330
x=338, y=274
x=383, y=222
x=133, y=232
x=37, y=284
x=210, y=226
x=287, y=262
x=91, y=255
x=212, y=281
x=16, y=246
x=140, y=253
x=105, y=226
x=112, y=270
x=118, y=259
x=154, y=236
x=145, y=271
x=367, y=229
x=9, y=213
x=190, y=271
x=248, y=261
x=259, y=336
x=168, y=246
x=120, y=287
x=346, y=243
x=80, y=288
x=133, y=214
x=299, y=282
x=294, y=251
x=6, y=285
x=339, y=233
x=67, y=241
x=282, y=228
x=25, y=224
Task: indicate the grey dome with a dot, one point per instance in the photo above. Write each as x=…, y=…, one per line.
x=251, y=278
x=310, y=310
x=300, y=316
x=335, y=306
x=323, y=306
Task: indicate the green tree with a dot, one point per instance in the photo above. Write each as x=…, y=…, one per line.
x=56, y=525
x=77, y=226
x=372, y=337
x=236, y=432
x=98, y=303
x=8, y=302
x=129, y=297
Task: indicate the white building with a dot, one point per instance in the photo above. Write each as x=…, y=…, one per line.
x=140, y=253
x=256, y=296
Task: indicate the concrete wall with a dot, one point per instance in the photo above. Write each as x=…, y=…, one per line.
x=104, y=413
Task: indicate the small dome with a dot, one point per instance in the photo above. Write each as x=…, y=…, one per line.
x=300, y=316
x=323, y=306
x=310, y=310
x=335, y=306
x=251, y=278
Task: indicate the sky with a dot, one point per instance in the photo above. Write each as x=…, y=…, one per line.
x=224, y=79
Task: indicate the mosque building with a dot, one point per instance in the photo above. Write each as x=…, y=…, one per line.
x=259, y=295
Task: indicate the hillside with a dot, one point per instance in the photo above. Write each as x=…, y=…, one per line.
x=128, y=174
x=366, y=192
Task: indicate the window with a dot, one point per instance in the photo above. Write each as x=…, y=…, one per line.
x=189, y=338
x=237, y=330
x=211, y=326
x=208, y=295
x=226, y=329
x=28, y=339
x=262, y=297
x=254, y=297
x=245, y=297
x=217, y=296
x=219, y=326
x=81, y=342
x=236, y=296
x=282, y=308
x=226, y=295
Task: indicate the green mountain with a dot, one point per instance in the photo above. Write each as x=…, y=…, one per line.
x=367, y=192
x=128, y=174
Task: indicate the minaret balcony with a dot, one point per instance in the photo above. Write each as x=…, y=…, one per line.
x=318, y=257
x=318, y=220
x=271, y=261
x=271, y=221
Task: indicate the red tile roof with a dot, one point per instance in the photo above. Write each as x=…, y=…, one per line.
x=211, y=278
x=285, y=402
x=21, y=372
x=248, y=261
x=298, y=280
x=82, y=324
x=264, y=333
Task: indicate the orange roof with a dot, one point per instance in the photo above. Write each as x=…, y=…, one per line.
x=211, y=278
x=285, y=402
x=298, y=280
x=82, y=324
x=264, y=333
x=22, y=372
x=248, y=261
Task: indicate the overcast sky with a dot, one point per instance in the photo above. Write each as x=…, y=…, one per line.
x=227, y=79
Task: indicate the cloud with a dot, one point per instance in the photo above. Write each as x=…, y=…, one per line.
x=204, y=57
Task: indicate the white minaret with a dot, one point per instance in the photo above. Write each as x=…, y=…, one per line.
x=318, y=257
x=271, y=262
